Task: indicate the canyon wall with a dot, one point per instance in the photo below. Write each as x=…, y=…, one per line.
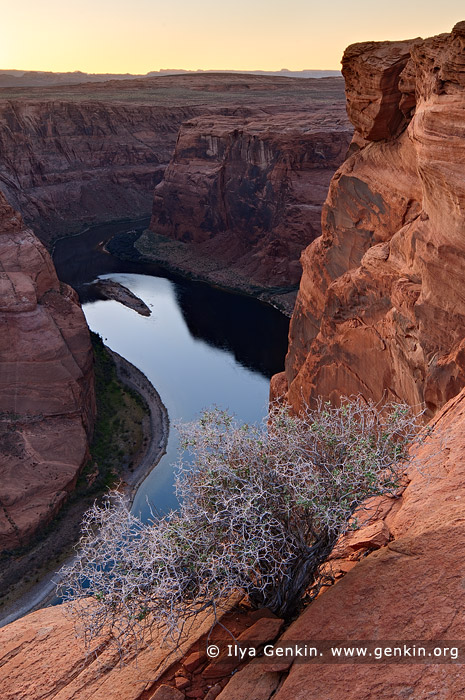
x=47, y=403
x=68, y=163
x=380, y=309
x=248, y=192
x=93, y=152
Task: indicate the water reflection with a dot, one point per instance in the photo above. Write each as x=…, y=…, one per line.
x=254, y=332
x=201, y=345
x=189, y=372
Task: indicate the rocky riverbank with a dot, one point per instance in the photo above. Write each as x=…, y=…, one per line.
x=191, y=261
x=118, y=292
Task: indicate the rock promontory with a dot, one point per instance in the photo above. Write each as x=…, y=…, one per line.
x=247, y=192
x=380, y=309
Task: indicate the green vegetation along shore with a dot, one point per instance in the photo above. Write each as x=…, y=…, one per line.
x=122, y=437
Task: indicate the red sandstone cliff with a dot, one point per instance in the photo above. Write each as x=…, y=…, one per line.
x=67, y=163
x=47, y=400
x=80, y=154
x=380, y=308
x=248, y=192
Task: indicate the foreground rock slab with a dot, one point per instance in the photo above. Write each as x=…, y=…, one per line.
x=40, y=657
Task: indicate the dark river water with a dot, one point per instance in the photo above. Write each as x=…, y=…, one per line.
x=201, y=346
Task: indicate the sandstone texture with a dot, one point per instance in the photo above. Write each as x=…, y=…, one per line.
x=408, y=588
x=73, y=155
x=68, y=163
x=47, y=402
x=41, y=657
x=380, y=309
x=248, y=191
x=240, y=166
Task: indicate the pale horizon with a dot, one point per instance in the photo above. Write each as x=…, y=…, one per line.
x=169, y=70
x=137, y=37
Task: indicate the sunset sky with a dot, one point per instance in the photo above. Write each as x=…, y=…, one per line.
x=138, y=36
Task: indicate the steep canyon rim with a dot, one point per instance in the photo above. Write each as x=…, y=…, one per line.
x=379, y=310
x=90, y=153
x=79, y=154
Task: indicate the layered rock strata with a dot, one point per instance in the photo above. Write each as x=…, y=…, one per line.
x=80, y=154
x=47, y=402
x=68, y=163
x=248, y=192
x=380, y=309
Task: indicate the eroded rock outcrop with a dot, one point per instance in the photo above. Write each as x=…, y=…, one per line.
x=67, y=163
x=380, y=309
x=248, y=192
x=40, y=657
x=47, y=402
x=93, y=152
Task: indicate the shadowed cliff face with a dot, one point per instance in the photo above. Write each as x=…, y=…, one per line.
x=94, y=152
x=64, y=164
x=47, y=403
x=248, y=192
x=380, y=308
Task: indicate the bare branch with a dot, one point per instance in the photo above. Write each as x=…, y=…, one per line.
x=261, y=510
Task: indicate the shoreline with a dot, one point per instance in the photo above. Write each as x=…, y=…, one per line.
x=41, y=594
x=197, y=268
x=85, y=228
x=175, y=257
x=132, y=377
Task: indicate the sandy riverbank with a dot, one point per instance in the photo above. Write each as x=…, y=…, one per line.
x=159, y=424
x=156, y=430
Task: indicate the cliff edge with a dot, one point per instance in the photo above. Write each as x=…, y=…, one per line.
x=47, y=402
x=408, y=589
x=380, y=309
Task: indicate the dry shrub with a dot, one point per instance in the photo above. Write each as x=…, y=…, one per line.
x=261, y=509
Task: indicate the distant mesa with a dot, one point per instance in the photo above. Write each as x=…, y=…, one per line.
x=30, y=78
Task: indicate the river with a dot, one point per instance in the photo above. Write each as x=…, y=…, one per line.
x=201, y=346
